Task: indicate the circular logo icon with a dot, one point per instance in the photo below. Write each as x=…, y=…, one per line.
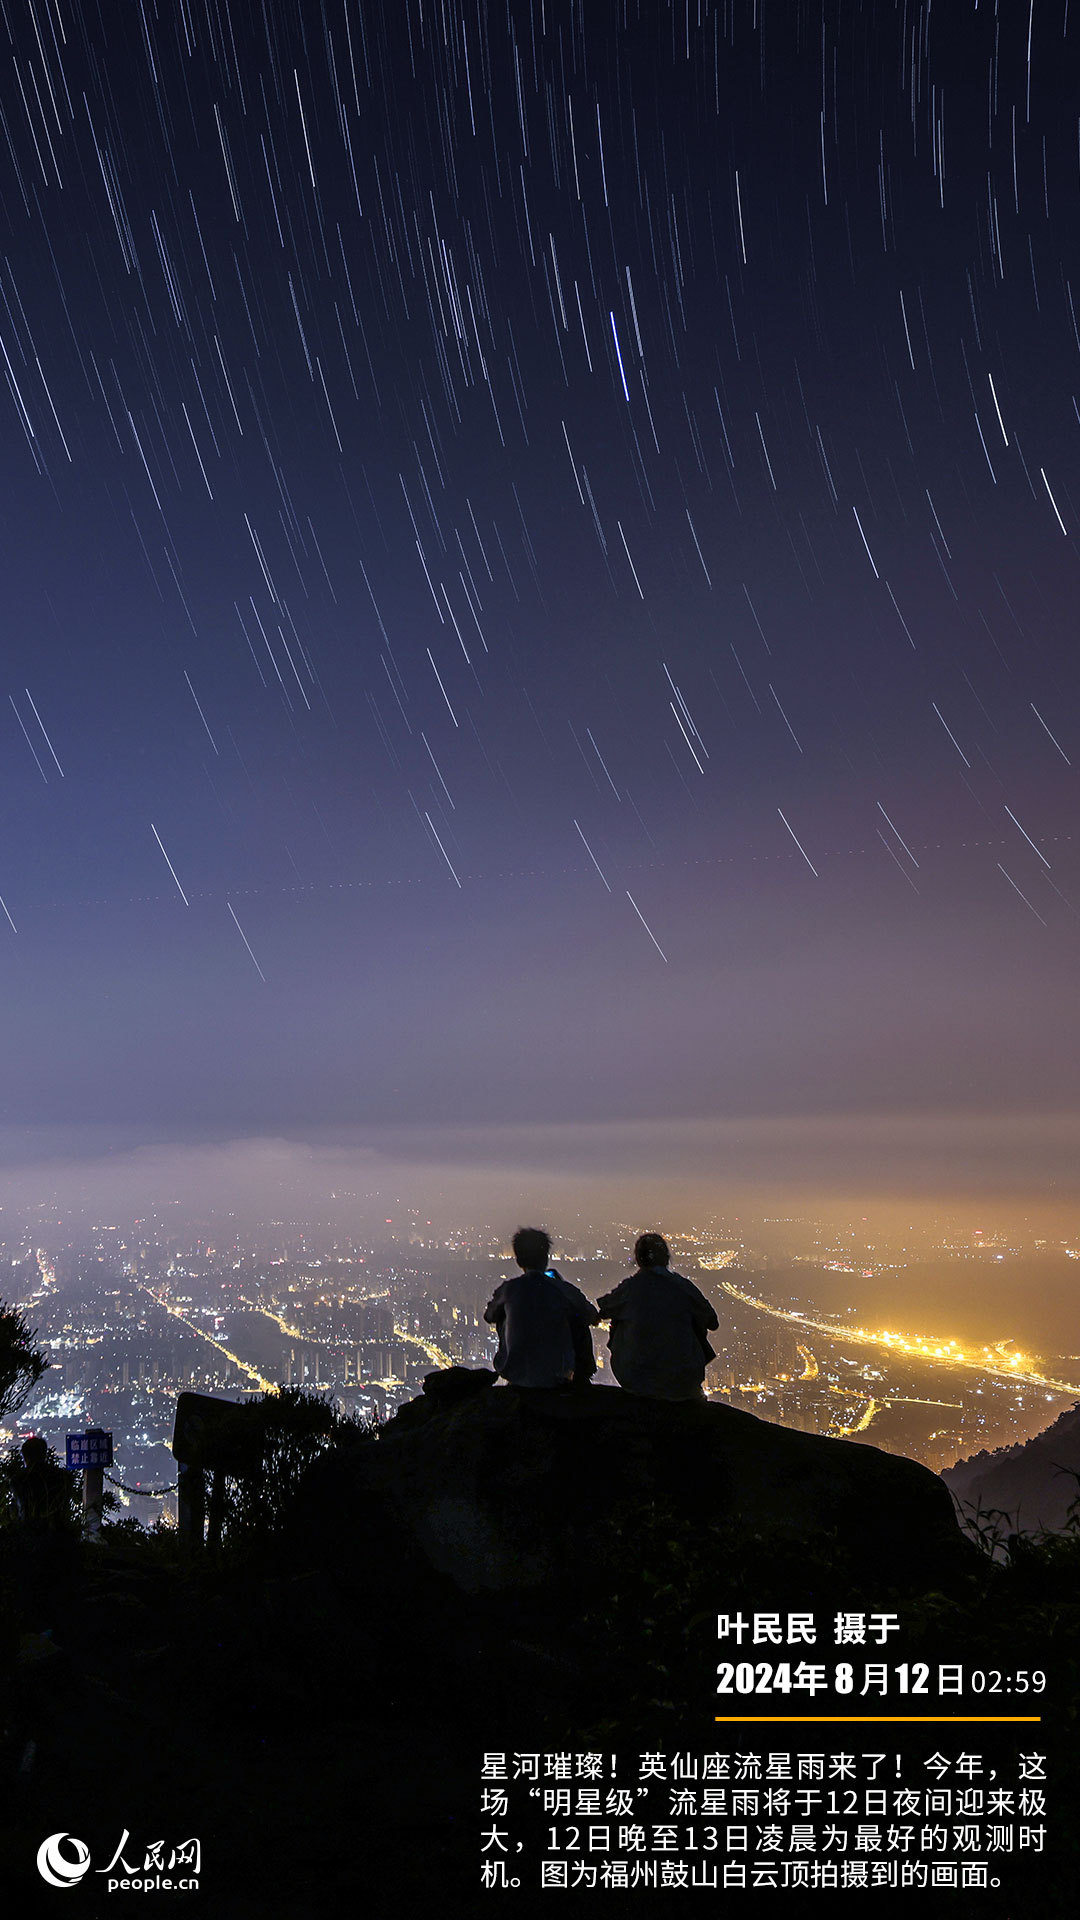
x=55, y=1866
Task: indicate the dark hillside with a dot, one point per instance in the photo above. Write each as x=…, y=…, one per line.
x=497, y=1574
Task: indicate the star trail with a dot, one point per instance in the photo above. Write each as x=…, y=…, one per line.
x=540, y=558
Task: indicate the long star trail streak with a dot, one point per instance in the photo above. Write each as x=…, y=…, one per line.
x=202, y=715
x=865, y=542
x=442, y=849
x=785, y=719
x=245, y=940
x=593, y=858
x=895, y=861
x=28, y=740
x=1023, y=895
x=618, y=355
x=951, y=734
x=898, y=613
x=633, y=569
x=697, y=545
x=1051, y=736
x=442, y=689
x=685, y=735
x=1027, y=837
x=170, y=866
x=646, y=926
x=41, y=724
x=1053, y=503
x=798, y=843
x=898, y=834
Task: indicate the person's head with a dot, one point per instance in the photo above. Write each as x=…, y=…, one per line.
x=531, y=1248
x=652, y=1250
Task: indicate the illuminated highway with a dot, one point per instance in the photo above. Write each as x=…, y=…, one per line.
x=858, y=1426
x=426, y=1346
x=48, y=1279
x=916, y=1346
x=871, y=1405
x=312, y=1340
x=294, y=1333
x=267, y=1386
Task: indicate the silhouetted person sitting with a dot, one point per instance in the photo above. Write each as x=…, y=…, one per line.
x=542, y=1321
x=42, y=1487
x=659, y=1323
x=46, y=1540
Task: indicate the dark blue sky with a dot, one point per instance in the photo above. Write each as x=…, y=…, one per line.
x=559, y=522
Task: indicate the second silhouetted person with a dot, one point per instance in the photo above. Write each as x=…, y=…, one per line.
x=659, y=1324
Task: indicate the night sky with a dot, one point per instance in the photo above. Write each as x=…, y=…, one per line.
x=540, y=578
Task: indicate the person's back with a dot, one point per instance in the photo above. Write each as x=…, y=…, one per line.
x=659, y=1325
x=542, y=1321
x=43, y=1489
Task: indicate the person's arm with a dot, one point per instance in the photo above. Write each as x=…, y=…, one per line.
x=702, y=1309
x=611, y=1302
x=582, y=1315
x=576, y=1303
x=495, y=1311
x=703, y=1319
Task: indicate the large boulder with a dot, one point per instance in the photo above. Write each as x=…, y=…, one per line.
x=511, y=1489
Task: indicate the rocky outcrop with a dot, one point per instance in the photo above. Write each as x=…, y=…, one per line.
x=1028, y=1488
x=510, y=1490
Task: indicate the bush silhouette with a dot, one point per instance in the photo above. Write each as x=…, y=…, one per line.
x=294, y=1428
x=21, y=1365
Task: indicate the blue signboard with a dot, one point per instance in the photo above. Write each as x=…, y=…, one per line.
x=91, y=1449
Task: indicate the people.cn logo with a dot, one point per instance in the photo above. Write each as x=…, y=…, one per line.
x=55, y=1865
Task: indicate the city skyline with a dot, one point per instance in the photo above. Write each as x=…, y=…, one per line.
x=819, y=1323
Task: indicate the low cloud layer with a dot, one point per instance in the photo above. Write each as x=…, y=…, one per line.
x=1027, y=1166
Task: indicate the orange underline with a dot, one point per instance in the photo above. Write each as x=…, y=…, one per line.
x=878, y=1719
